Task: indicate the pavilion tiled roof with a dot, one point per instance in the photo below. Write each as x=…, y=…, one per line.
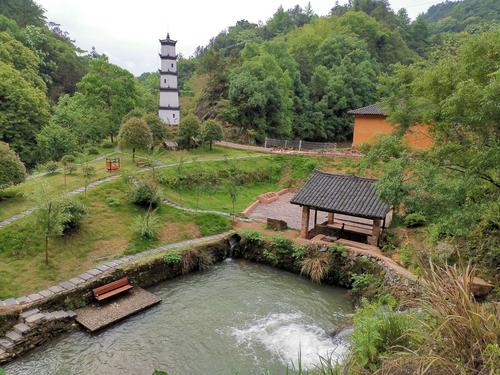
x=349, y=195
x=373, y=109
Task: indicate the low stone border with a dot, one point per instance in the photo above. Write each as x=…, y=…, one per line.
x=260, y=200
x=94, y=273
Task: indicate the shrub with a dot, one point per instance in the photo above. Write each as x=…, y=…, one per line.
x=189, y=260
x=12, y=169
x=365, y=284
x=146, y=227
x=92, y=151
x=252, y=237
x=172, y=258
x=281, y=245
x=51, y=167
x=378, y=329
x=270, y=256
x=73, y=210
x=299, y=252
x=145, y=193
x=107, y=144
x=414, y=220
x=67, y=159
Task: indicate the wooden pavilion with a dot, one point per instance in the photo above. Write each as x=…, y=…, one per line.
x=354, y=210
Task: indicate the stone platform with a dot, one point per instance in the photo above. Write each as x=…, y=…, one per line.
x=98, y=316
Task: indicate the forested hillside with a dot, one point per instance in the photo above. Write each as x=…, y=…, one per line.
x=456, y=16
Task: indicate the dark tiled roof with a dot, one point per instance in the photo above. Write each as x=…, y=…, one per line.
x=374, y=109
x=348, y=195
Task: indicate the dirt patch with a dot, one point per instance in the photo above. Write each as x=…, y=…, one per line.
x=173, y=232
x=105, y=249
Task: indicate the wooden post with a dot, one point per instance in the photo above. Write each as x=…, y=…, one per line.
x=315, y=218
x=331, y=217
x=300, y=145
x=375, y=232
x=304, y=229
x=265, y=143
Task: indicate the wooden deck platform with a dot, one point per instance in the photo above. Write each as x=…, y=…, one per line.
x=96, y=317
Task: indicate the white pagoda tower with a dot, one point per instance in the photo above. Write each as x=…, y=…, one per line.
x=169, y=110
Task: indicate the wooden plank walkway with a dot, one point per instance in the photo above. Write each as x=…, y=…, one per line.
x=96, y=317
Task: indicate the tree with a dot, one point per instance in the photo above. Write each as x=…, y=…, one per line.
x=111, y=89
x=157, y=127
x=211, y=132
x=135, y=133
x=88, y=171
x=12, y=169
x=55, y=141
x=24, y=110
x=189, y=130
x=49, y=218
x=69, y=166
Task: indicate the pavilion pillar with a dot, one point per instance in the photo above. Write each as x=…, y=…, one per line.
x=331, y=217
x=373, y=239
x=304, y=229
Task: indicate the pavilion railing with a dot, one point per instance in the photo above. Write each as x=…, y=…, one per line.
x=299, y=145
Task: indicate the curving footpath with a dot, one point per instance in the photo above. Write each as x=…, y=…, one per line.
x=81, y=189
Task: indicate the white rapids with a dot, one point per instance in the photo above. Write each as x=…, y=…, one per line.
x=288, y=337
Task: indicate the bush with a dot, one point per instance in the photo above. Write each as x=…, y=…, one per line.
x=378, y=329
x=51, y=167
x=365, y=284
x=92, y=151
x=251, y=237
x=282, y=246
x=414, y=220
x=145, y=193
x=67, y=159
x=74, y=210
x=172, y=258
x=12, y=170
x=107, y=144
x=146, y=227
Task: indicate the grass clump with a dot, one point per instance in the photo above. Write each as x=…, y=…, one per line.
x=147, y=226
x=316, y=264
x=210, y=224
x=172, y=258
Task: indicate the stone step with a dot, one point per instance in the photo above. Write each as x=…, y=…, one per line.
x=13, y=336
x=6, y=343
x=29, y=313
x=36, y=318
x=21, y=328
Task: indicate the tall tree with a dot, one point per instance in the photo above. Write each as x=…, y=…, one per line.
x=111, y=89
x=136, y=134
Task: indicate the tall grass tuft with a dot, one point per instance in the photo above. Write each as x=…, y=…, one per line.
x=316, y=265
x=463, y=336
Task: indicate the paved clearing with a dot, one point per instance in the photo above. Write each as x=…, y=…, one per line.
x=282, y=209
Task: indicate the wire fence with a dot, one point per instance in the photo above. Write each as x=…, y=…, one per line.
x=299, y=145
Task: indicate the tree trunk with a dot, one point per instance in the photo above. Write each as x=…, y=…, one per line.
x=111, y=136
x=133, y=153
x=210, y=143
x=46, y=250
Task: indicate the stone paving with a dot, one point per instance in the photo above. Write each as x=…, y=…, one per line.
x=99, y=269
x=282, y=209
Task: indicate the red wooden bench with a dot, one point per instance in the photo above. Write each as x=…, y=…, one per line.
x=112, y=289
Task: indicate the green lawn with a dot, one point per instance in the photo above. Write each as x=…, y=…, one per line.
x=20, y=197
x=104, y=234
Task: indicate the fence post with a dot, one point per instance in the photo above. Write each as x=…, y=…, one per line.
x=286, y=141
x=300, y=145
x=265, y=143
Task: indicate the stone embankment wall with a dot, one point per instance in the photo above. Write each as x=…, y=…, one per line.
x=26, y=326
x=343, y=265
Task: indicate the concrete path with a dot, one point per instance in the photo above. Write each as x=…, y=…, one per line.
x=104, y=267
x=81, y=189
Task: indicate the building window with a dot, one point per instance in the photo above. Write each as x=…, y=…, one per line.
x=165, y=80
x=173, y=114
x=172, y=65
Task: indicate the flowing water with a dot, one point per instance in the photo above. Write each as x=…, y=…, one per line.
x=238, y=316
